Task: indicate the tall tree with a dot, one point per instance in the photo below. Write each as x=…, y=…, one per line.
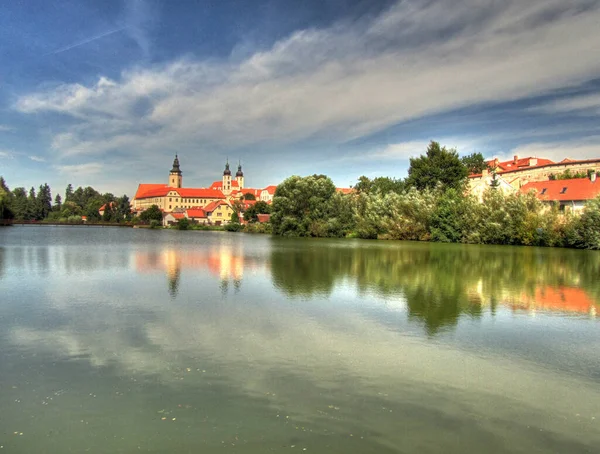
x=438, y=166
x=20, y=204
x=123, y=211
x=69, y=193
x=33, y=207
x=57, y=203
x=5, y=201
x=44, y=201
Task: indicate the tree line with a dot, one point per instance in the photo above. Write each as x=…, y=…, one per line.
x=431, y=204
x=31, y=205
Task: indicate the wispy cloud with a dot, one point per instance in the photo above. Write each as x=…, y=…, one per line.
x=588, y=104
x=37, y=159
x=6, y=128
x=85, y=41
x=6, y=153
x=81, y=169
x=335, y=84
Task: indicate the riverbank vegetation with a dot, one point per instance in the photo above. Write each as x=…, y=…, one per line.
x=21, y=204
x=431, y=204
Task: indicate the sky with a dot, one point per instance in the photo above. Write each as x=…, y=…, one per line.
x=105, y=93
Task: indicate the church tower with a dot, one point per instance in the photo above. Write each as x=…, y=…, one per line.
x=227, y=179
x=239, y=176
x=175, y=178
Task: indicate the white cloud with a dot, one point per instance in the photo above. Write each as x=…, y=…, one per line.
x=337, y=83
x=80, y=169
x=6, y=153
x=6, y=128
x=37, y=159
x=557, y=151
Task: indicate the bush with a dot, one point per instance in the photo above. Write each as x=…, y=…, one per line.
x=233, y=227
x=154, y=224
x=183, y=224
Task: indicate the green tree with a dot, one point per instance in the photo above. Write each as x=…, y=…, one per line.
x=249, y=196
x=475, y=163
x=379, y=185
x=183, y=224
x=69, y=193
x=584, y=232
x=44, y=201
x=301, y=206
x=20, y=204
x=235, y=219
x=438, y=166
x=123, y=211
x=152, y=214
x=5, y=201
x=108, y=215
x=57, y=203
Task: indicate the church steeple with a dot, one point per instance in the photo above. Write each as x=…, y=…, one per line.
x=175, y=178
x=227, y=171
x=226, y=179
x=239, y=176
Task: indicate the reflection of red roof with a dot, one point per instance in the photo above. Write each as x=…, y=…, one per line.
x=573, y=189
x=195, y=213
x=565, y=299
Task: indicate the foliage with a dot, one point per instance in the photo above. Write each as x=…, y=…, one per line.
x=235, y=218
x=249, y=196
x=258, y=227
x=154, y=224
x=306, y=206
x=5, y=201
x=252, y=212
x=438, y=168
x=475, y=163
x=233, y=227
x=380, y=185
x=584, y=232
x=183, y=224
x=567, y=175
x=152, y=214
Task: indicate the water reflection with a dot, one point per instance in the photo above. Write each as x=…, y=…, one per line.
x=442, y=282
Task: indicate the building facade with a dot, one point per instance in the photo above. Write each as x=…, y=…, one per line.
x=212, y=205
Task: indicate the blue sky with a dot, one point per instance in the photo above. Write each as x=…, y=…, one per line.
x=104, y=93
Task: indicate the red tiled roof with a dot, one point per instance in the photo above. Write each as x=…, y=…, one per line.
x=344, y=190
x=263, y=217
x=144, y=188
x=200, y=193
x=212, y=205
x=219, y=184
x=270, y=189
x=177, y=215
x=518, y=163
x=195, y=213
x=576, y=189
x=153, y=190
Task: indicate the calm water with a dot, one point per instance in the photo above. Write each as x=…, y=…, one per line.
x=127, y=341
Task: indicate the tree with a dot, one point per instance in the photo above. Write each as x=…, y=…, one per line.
x=123, y=208
x=57, y=203
x=69, y=193
x=439, y=166
x=301, y=206
x=20, y=204
x=249, y=196
x=34, y=208
x=235, y=219
x=44, y=201
x=475, y=163
x=379, y=185
x=152, y=214
x=5, y=201
x=108, y=214
x=183, y=224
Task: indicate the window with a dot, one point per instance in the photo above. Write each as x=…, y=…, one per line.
x=170, y=199
x=169, y=207
x=563, y=190
x=219, y=215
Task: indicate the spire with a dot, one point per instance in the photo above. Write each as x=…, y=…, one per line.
x=227, y=171
x=239, y=172
x=176, y=168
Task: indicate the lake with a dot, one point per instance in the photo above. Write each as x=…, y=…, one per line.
x=129, y=340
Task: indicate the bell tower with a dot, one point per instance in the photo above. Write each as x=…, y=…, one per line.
x=175, y=178
x=227, y=179
x=239, y=176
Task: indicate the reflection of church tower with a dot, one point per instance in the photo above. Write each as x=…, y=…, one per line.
x=239, y=176
x=175, y=178
x=173, y=264
x=227, y=179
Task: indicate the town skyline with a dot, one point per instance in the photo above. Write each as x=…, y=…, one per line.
x=106, y=94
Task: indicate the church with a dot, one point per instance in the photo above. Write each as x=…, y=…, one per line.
x=212, y=205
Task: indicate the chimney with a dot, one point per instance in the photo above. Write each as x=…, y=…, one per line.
x=516, y=158
x=532, y=162
x=593, y=176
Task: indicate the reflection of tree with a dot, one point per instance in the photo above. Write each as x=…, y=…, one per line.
x=440, y=282
x=174, y=276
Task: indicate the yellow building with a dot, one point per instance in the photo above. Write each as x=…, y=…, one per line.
x=173, y=199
